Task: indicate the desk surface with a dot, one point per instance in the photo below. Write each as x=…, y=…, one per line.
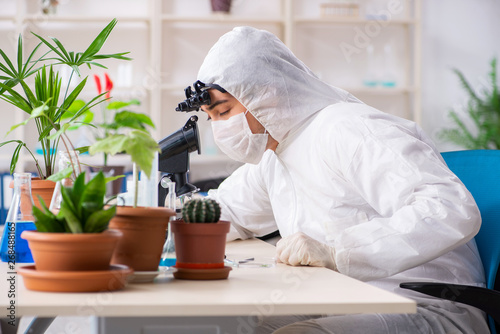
x=248, y=291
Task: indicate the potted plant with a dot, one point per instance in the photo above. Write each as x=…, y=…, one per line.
x=483, y=110
x=72, y=248
x=200, y=241
x=221, y=6
x=144, y=228
x=77, y=236
x=49, y=92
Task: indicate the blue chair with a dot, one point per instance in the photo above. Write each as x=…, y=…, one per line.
x=479, y=170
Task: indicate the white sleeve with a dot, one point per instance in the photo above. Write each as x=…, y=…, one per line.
x=245, y=203
x=424, y=210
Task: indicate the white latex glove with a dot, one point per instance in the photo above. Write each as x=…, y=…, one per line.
x=300, y=249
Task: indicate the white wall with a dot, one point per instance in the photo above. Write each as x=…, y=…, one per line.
x=462, y=34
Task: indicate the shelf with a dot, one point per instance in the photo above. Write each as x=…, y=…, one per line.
x=206, y=158
x=350, y=20
x=73, y=19
x=98, y=160
x=379, y=90
x=7, y=18
x=220, y=18
x=123, y=159
x=357, y=89
x=297, y=23
x=95, y=160
x=174, y=87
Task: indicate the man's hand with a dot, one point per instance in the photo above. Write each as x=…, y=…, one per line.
x=300, y=249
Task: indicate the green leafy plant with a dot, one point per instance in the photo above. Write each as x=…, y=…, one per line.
x=484, y=111
x=125, y=119
x=82, y=206
x=83, y=209
x=139, y=144
x=201, y=211
x=47, y=90
x=117, y=116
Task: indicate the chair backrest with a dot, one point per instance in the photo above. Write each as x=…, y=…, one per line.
x=479, y=170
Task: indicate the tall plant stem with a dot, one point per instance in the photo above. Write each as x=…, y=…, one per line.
x=62, y=136
x=69, y=155
x=67, y=86
x=53, y=156
x=36, y=161
x=46, y=154
x=106, y=133
x=135, y=175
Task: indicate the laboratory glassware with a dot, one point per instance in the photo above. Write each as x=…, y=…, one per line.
x=168, y=258
x=13, y=248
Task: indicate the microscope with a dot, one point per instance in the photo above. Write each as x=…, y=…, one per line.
x=174, y=157
x=173, y=161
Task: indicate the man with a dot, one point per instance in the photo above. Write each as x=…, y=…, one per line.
x=348, y=187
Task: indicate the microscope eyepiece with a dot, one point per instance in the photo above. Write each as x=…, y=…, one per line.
x=200, y=96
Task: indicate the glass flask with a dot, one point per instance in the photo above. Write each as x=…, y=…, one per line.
x=63, y=162
x=371, y=76
x=389, y=74
x=168, y=258
x=19, y=218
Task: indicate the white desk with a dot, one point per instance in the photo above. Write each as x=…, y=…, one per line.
x=281, y=290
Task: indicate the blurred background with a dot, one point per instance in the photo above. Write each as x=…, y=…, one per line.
x=396, y=55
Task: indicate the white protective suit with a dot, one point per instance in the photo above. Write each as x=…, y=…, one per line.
x=370, y=184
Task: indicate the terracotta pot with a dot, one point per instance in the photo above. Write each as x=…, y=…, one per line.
x=43, y=188
x=223, y=6
x=200, y=245
x=75, y=281
x=72, y=252
x=144, y=231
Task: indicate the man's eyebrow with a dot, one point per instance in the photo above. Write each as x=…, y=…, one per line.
x=215, y=104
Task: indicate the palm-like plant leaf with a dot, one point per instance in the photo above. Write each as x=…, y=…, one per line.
x=71, y=98
x=89, y=105
x=120, y=56
x=75, y=60
x=10, y=70
x=16, y=99
x=53, y=48
x=43, y=102
x=98, y=42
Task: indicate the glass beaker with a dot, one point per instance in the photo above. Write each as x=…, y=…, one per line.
x=168, y=258
x=19, y=218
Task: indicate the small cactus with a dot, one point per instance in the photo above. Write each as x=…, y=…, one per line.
x=201, y=211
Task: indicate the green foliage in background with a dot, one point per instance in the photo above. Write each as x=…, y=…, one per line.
x=123, y=119
x=484, y=110
x=138, y=144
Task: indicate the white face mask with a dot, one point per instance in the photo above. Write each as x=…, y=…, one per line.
x=234, y=138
